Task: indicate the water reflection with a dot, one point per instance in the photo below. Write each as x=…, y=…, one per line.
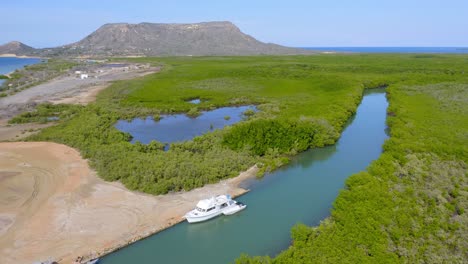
x=176, y=128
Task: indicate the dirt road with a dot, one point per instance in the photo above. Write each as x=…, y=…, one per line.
x=64, y=89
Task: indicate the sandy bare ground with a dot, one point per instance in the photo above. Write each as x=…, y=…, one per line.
x=52, y=205
x=20, y=131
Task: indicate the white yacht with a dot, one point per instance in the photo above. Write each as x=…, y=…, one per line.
x=212, y=207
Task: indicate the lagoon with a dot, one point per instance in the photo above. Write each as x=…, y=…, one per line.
x=176, y=128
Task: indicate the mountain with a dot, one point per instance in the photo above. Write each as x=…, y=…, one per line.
x=150, y=39
x=16, y=48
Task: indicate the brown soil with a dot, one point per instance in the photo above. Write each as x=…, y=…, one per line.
x=19, y=131
x=52, y=205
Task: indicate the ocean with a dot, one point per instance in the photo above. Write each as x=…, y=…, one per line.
x=453, y=50
x=9, y=64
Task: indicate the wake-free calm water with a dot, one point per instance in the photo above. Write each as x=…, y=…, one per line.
x=9, y=64
x=175, y=128
x=458, y=50
x=302, y=191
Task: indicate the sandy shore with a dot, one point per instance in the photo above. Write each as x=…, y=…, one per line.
x=53, y=206
x=11, y=55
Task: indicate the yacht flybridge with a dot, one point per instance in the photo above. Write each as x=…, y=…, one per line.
x=212, y=207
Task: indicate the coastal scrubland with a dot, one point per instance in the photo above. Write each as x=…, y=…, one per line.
x=296, y=101
x=409, y=206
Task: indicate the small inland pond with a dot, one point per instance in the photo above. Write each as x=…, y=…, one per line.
x=303, y=191
x=175, y=128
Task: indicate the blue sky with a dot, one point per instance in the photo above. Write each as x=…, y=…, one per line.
x=299, y=23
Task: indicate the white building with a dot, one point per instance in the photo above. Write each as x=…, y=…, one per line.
x=84, y=76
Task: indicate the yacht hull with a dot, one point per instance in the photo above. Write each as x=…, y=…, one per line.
x=212, y=207
x=197, y=218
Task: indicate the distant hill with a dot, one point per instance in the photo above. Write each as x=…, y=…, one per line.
x=150, y=39
x=16, y=48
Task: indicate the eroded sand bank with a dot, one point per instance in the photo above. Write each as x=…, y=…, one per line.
x=52, y=205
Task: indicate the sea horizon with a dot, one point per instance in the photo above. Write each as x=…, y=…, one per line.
x=390, y=49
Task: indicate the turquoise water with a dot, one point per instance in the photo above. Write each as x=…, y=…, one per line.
x=9, y=64
x=175, y=128
x=303, y=192
x=458, y=50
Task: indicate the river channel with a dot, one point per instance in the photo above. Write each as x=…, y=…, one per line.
x=303, y=191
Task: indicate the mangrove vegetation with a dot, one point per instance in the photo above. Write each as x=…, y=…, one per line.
x=409, y=206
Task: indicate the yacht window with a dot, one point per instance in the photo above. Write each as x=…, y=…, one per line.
x=223, y=205
x=209, y=209
x=200, y=210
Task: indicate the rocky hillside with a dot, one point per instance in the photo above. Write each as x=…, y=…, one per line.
x=149, y=39
x=16, y=48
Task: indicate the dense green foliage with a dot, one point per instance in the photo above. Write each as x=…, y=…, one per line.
x=206, y=159
x=146, y=167
x=285, y=136
x=410, y=205
x=3, y=77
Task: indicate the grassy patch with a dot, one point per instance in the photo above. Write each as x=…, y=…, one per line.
x=47, y=113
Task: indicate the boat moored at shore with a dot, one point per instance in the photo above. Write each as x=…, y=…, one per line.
x=234, y=208
x=212, y=207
